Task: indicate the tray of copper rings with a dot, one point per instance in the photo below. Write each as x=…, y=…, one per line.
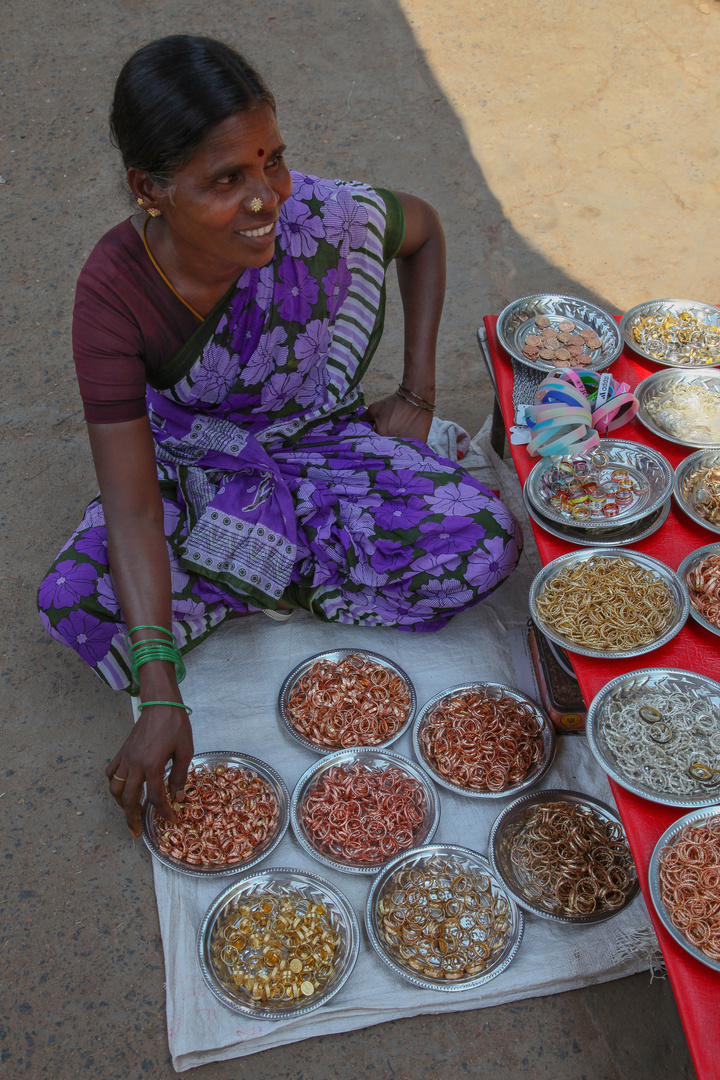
x=235, y=812
x=484, y=740
x=563, y=856
x=354, y=810
x=346, y=698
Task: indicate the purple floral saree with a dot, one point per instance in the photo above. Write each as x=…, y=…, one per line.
x=274, y=486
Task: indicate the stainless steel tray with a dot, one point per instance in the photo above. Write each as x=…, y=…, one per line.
x=654, y=566
x=468, y=860
x=498, y=690
x=377, y=759
x=244, y=761
x=689, y=563
x=510, y=823
x=641, y=462
x=706, y=312
x=668, y=839
x=517, y=320
x=279, y=881
x=661, y=382
x=683, y=487
x=336, y=655
x=627, y=534
x=646, y=686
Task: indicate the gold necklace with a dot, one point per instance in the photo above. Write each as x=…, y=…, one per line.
x=169, y=284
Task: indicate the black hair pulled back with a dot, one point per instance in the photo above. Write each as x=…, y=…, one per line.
x=169, y=96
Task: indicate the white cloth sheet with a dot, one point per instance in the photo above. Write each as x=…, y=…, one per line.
x=232, y=686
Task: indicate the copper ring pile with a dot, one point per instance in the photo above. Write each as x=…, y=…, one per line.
x=703, y=583
x=277, y=949
x=227, y=812
x=481, y=742
x=690, y=885
x=362, y=814
x=571, y=861
x=443, y=921
x=355, y=702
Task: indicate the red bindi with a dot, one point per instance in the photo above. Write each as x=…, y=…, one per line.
x=261, y=152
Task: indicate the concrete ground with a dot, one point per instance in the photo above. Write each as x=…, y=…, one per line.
x=568, y=147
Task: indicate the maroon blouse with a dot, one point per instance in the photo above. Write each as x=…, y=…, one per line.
x=127, y=324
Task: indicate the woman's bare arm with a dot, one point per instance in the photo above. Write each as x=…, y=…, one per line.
x=421, y=275
x=124, y=457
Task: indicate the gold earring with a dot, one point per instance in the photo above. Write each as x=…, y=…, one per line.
x=139, y=202
x=256, y=205
x=153, y=212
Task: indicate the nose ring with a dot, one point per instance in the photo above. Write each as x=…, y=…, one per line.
x=256, y=205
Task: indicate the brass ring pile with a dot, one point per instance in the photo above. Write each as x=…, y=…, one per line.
x=443, y=921
x=275, y=949
x=609, y=604
x=570, y=861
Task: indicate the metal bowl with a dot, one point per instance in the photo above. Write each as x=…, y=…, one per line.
x=243, y=761
x=706, y=312
x=668, y=839
x=685, y=483
x=623, y=535
x=336, y=655
x=663, y=382
x=280, y=882
x=468, y=860
x=643, y=463
x=377, y=759
x=689, y=563
x=517, y=320
x=510, y=823
x=496, y=690
x=658, y=569
x=645, y=686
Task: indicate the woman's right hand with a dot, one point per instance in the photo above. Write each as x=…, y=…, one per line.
x=161, y=733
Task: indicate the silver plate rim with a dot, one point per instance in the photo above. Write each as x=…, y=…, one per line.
x=591, y=731
x=303, y=877
x=607, y=446
x=688, y=463
x=659, y=517
x=557, y=795
x=670, y=833
x=543, y=365
x=333, y=654
x=483, y=863
x=687, y=564
x=234, y=757
x=548, y=733
x=340, y=757
x=648, y=384
x=648, y=562
x=680, y=305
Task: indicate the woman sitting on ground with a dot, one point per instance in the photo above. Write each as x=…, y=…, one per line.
x=220, y=336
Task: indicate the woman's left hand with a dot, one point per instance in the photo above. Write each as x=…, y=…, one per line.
x=396, y=417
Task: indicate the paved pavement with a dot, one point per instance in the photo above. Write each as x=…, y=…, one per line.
x=568, y=147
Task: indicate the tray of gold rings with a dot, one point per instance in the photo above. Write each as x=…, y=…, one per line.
x=608, y=602
x=563, y=856
x=674, y=333
x=697, y=488
x=440, y=918
x=278, y=944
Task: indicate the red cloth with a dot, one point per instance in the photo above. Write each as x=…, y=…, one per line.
x=127, y=324
x=697, y=988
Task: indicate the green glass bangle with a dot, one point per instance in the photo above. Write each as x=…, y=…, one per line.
x=149, y=626
x=144, y=654
x=176, y=704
